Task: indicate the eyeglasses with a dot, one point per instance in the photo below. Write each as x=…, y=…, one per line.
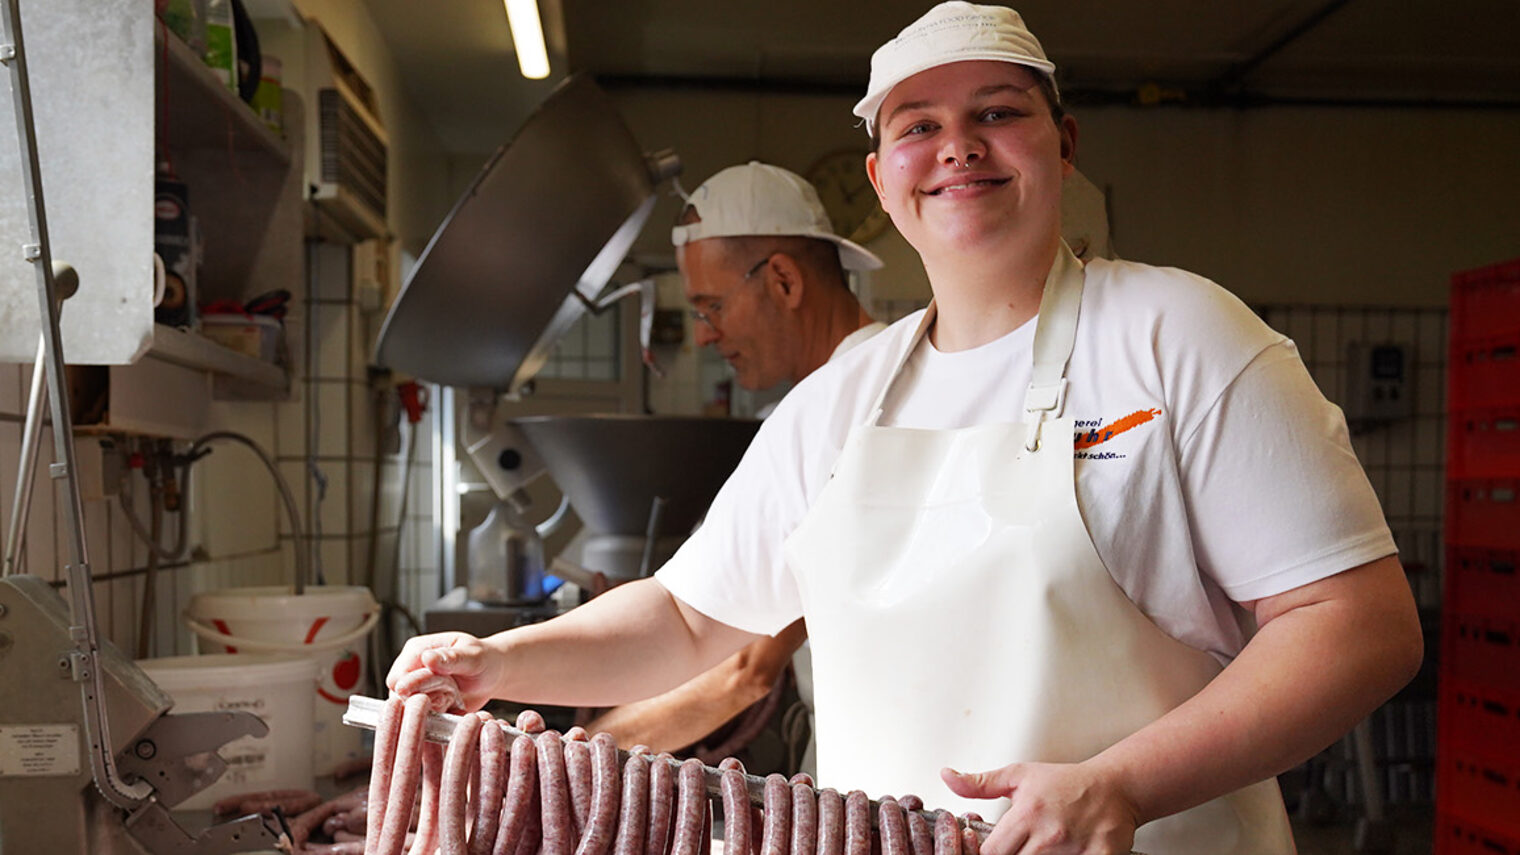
x=713, y=314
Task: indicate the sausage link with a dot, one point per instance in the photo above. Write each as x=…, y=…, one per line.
x=738, y=829
x=802, y=778
x=383, y=763
x=403, y=791
x=532, y=836
x=303, y=825
x=830, y=822
x=947, y=834
x=578, y=773
x=453, y=801
x=691, y=809
x=970, y=843
x=804, y=817
x=554, y=793
x=474, y=782
x=522, y=792
x=606, y=791
x=529, y=721
x=427, y=820
x=893, y=827
x=351, y=820
x=920, y=834
x=633, y=814
x=493, y=782
x=662, y=774
x=776, y=838
x=704, y=843
x=857, y=823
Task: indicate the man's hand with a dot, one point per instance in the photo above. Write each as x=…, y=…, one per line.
x=458, y=670
x=1057, y=809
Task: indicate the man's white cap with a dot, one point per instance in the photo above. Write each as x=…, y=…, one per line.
x=950, y=32
x=756, y=200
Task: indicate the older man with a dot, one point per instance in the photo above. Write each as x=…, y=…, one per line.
x=766, y=277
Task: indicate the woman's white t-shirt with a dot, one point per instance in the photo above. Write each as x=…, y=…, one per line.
x=1210, y=469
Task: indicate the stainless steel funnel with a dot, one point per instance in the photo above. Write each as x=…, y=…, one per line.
x=541, y=229
x=612, y=467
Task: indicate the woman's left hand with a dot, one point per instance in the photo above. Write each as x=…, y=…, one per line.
x=1056, y=809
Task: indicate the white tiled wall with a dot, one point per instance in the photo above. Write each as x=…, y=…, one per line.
x=238, y=530
x=230, y=538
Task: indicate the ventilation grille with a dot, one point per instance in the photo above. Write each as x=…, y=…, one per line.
x=353, y=158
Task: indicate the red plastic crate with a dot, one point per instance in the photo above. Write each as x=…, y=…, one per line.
x=1483, y=373
x=1479, y=790
x=1483, y=650
x=1483, y=443
x=1480, y=721
x=1456, y=836
x=1482, y=582
x=1483, y=513
x=1486, y=301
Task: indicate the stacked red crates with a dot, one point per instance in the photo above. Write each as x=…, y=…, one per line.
x=1478, y=731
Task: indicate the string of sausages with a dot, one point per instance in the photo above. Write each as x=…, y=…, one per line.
x=533, y=791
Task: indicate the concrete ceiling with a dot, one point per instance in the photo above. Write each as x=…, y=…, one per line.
x=456, y=55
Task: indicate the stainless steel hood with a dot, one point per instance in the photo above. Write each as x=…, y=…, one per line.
x=539, y=232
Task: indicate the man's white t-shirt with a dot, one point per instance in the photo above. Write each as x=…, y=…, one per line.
x=1209, y=467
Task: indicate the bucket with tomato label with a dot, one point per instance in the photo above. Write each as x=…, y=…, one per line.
x=330, y=624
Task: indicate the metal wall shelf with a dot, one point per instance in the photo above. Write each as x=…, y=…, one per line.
x=189, y=350
x=205, y=113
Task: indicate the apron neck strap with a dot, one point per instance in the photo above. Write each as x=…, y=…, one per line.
x=930, y=313
x=1054, y=335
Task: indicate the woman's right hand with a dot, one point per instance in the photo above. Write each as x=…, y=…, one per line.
x=457, y=669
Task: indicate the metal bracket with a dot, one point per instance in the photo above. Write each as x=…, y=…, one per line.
x=31, y=251
x=177, y=753
x=7, y=53
x=153, y=827
x=644, y=289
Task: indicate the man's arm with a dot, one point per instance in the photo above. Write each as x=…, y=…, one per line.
x=705, y=703
x=1324, y=657
x=632, y=642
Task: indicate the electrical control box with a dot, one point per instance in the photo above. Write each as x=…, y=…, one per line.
x=1378, y=382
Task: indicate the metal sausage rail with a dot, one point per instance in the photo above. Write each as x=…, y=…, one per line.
x=365, y=712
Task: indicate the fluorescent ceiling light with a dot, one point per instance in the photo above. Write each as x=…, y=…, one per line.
x=528, y=38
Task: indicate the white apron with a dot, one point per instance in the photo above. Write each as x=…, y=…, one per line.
x=960, y=616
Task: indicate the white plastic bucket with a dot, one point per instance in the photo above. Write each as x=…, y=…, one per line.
x=273, y=687
x=328, y=623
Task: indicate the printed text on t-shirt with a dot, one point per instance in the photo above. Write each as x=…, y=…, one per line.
x=1097, y=433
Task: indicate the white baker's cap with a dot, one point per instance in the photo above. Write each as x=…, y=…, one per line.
x=950, y=32
x=756, y=200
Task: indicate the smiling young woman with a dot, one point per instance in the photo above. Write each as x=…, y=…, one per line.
x=1057, y=616
x=969, y=166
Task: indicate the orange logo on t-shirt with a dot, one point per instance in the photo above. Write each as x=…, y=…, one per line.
x=1100, y=435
